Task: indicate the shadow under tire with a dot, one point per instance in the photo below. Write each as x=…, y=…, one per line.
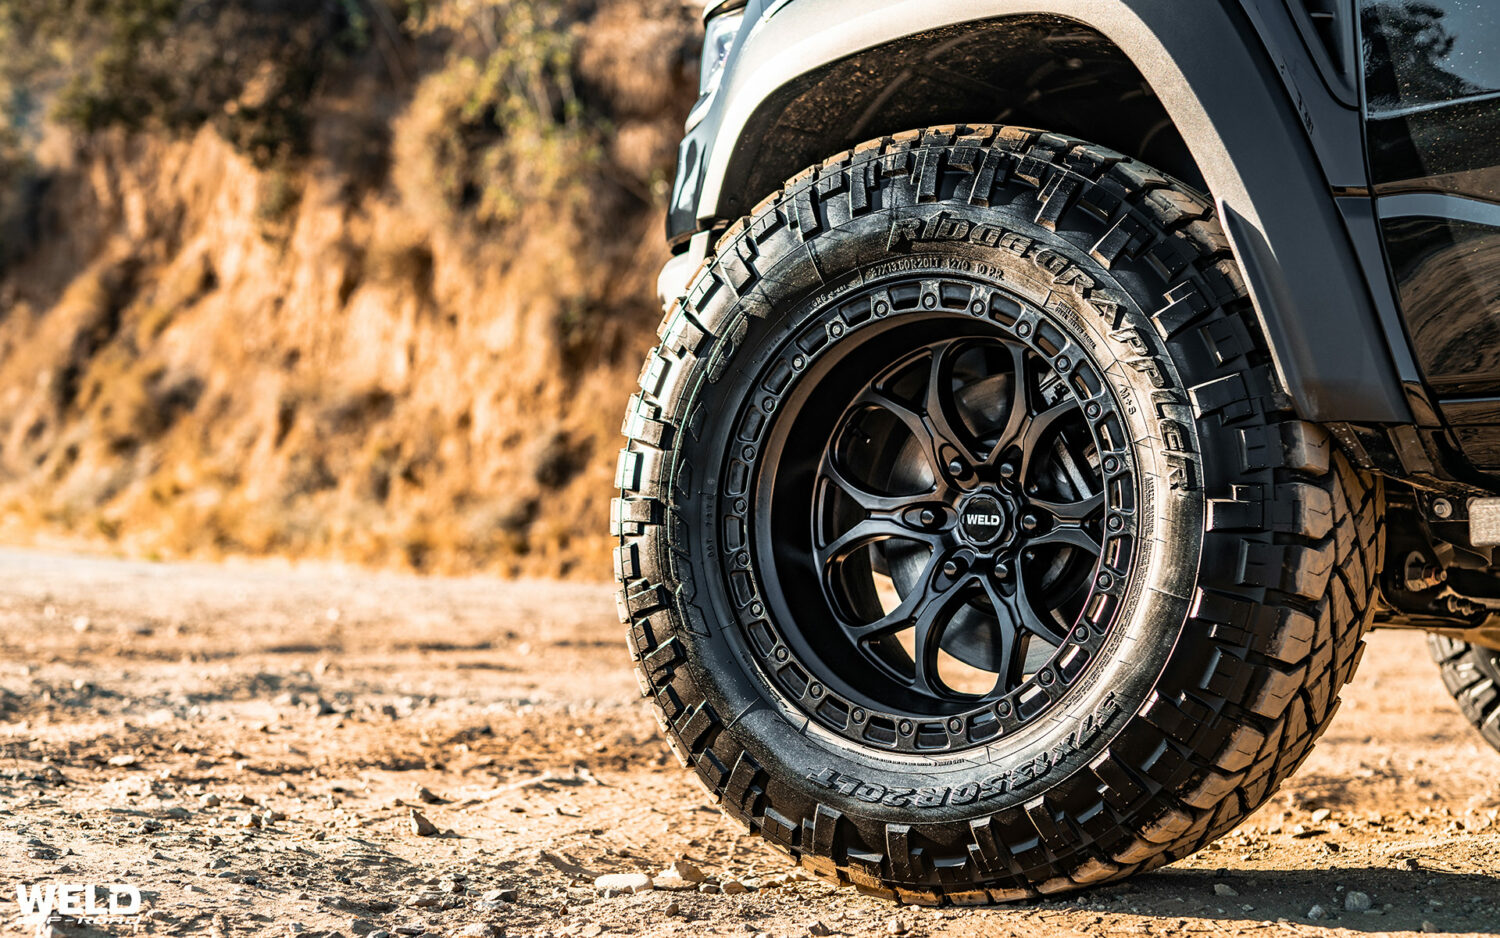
x=1472, y=675
x=968, y=549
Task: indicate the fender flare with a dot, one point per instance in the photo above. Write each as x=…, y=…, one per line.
x=1222, y=91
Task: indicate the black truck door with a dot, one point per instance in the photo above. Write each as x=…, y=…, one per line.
x=1432, y=119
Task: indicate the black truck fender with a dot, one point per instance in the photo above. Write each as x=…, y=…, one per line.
x=1263, y=131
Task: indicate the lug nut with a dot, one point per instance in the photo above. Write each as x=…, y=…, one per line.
x=1002, y=570
x=1029, y=522
x=928, y=517
x=952, y=568
x=1007, y=470
x=955, y=467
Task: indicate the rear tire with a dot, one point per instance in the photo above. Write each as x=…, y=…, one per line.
x=1227, y=550
x=1472, y=675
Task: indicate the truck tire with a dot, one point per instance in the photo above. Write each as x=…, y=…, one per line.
x=1472, y=675
x=967, y=546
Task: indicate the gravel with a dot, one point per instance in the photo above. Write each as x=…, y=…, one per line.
x=494, y=718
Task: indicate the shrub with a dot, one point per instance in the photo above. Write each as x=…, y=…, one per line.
x=500, y=124
x=249, y=66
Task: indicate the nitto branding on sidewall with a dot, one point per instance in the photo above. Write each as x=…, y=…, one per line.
x=45, y=903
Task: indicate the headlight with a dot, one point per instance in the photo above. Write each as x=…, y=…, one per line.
x=718, y=39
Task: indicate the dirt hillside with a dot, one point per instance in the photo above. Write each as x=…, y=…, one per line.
x=359, y=280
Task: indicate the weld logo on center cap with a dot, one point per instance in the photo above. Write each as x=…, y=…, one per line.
x=982, y=519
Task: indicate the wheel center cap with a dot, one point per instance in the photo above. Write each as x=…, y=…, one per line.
x=982, y=519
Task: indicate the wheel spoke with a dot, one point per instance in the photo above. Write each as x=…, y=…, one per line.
x=1006, y=634
x=1070, y=535
x=1068, y=523
x=941, y=406
x=1028, y=420
x=1036, y=428
x=1022, y=616
x=934, y=422
x=924, y=593
x=868, y=499
x=927, y=642
x=913, y=419
x=863, y=533
x=1079, y=510
x=1020, y=405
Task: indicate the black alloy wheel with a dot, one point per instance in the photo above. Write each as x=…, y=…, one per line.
x=941, y=553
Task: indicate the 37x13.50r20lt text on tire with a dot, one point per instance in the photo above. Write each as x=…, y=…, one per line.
x=967, y=546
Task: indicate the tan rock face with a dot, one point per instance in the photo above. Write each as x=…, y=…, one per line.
x=199, y=357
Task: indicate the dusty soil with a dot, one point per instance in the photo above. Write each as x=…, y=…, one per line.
x=311, y=703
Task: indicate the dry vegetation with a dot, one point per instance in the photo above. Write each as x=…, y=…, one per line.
x=360, y=279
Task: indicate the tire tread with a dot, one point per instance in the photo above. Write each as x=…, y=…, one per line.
x=1281, y=635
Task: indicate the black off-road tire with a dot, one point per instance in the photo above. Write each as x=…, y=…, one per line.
x=1242, y=590
x=1472, y=675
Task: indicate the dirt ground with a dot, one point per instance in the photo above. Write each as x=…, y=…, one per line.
x=245, y=744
